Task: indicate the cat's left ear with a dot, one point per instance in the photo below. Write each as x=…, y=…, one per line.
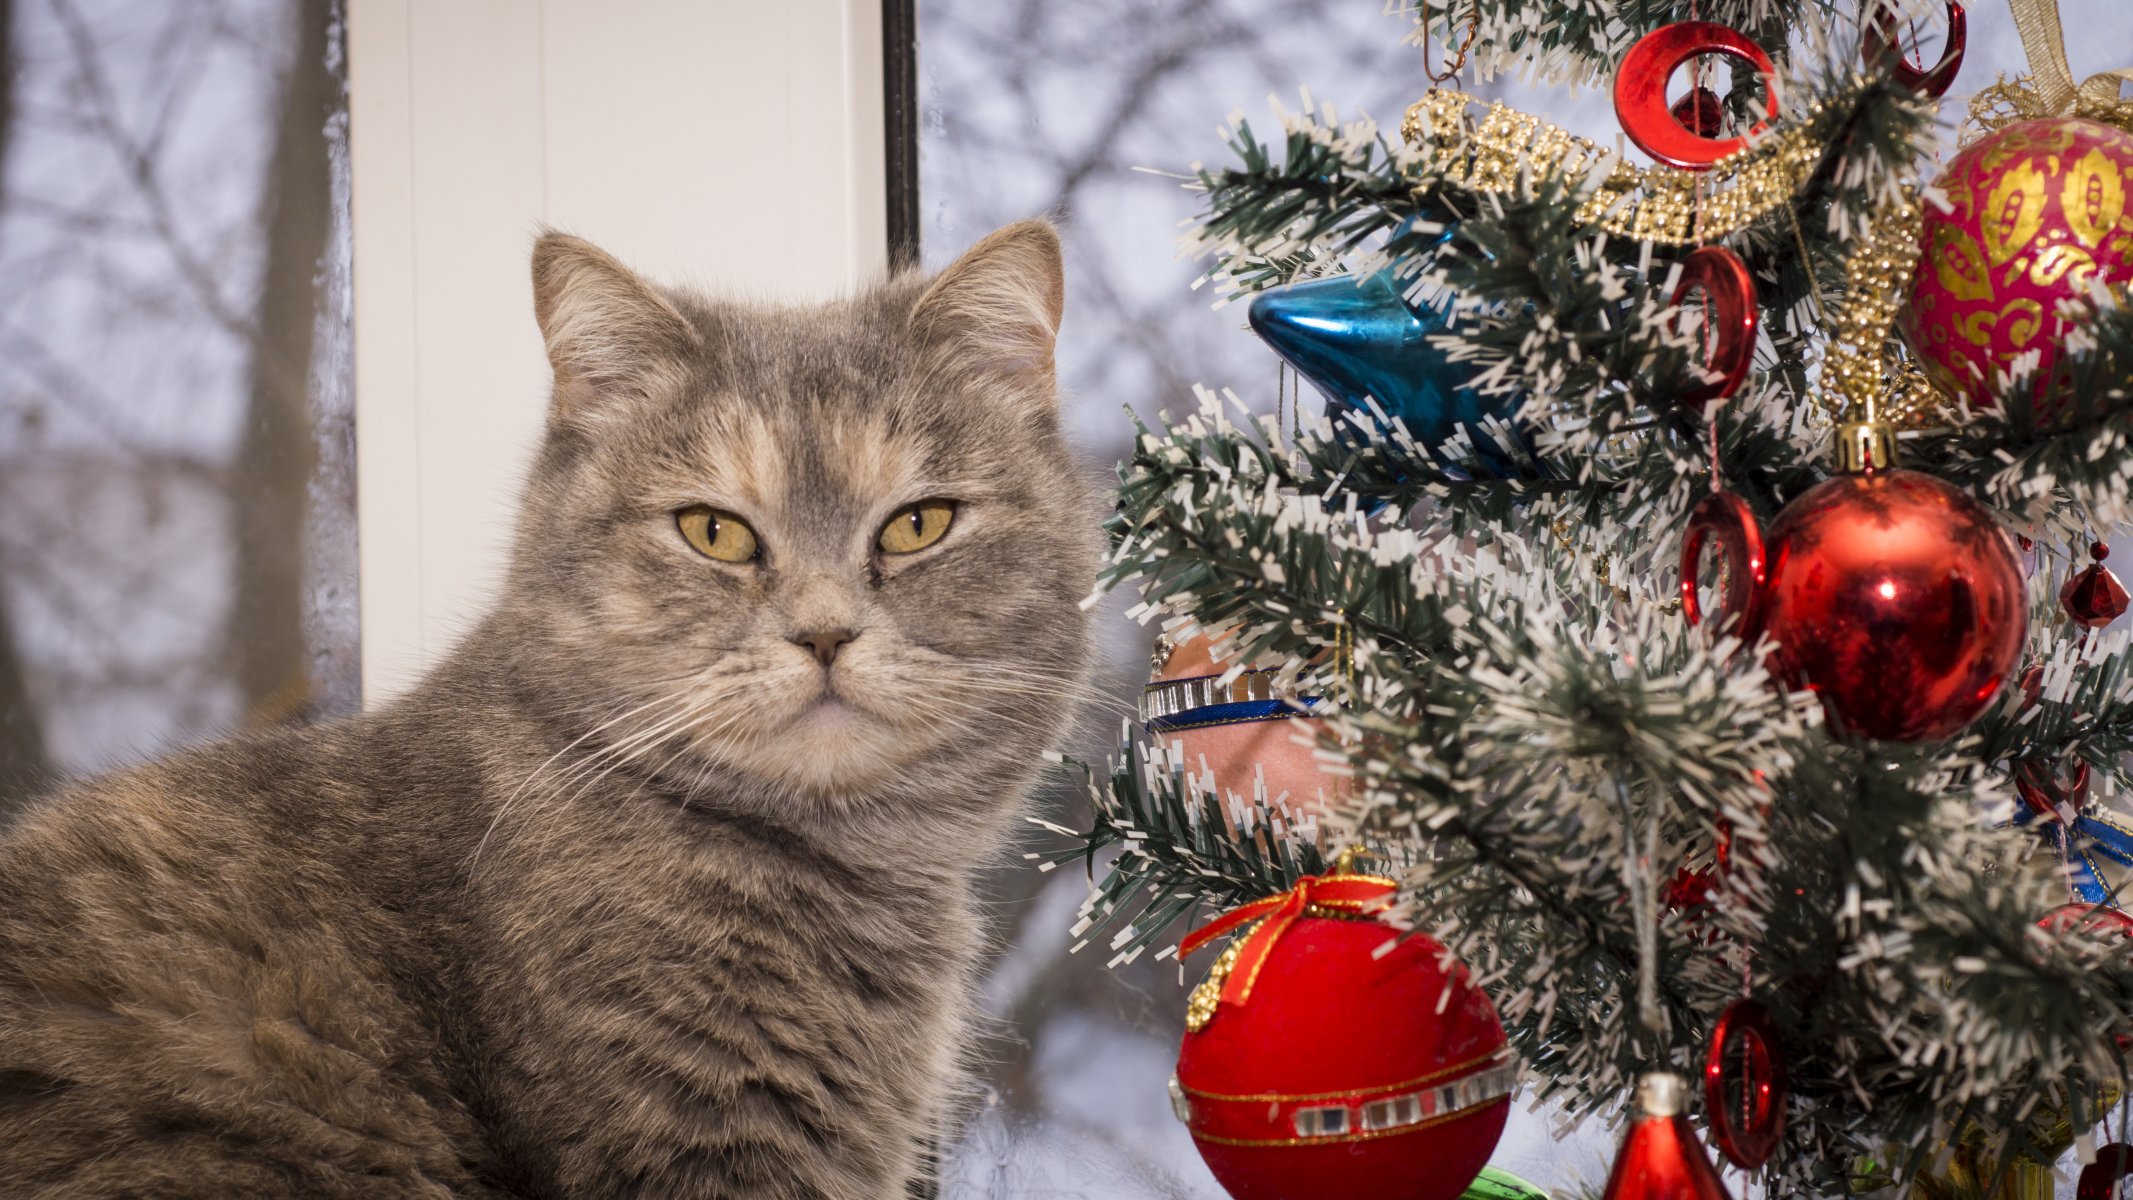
x=608, y=332
x=999, y=305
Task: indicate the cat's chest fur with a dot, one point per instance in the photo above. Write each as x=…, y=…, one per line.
x=678, y=994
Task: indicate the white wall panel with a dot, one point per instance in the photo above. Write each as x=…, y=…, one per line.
x=737, y=146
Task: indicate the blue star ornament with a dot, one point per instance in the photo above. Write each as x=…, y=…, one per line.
x=1357, y=336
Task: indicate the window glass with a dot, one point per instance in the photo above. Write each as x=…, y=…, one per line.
x=177, y=541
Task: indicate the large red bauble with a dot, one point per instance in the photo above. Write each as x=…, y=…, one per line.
x=1334, y=1037
x=1239, y=735
x=1897, y=599
x=2038, y=212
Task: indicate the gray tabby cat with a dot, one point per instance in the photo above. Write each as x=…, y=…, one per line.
x=661, y=885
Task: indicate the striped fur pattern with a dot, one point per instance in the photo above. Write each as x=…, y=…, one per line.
x=634, y=895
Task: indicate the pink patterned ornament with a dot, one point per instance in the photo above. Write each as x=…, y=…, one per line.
x=2038, y=214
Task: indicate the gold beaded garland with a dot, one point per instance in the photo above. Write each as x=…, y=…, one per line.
x=1664, y=205
x=1877, y=275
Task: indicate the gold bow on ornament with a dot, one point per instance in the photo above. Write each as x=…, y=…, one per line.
x=2049, y=90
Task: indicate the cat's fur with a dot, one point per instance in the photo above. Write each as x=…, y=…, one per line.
x=608, y=905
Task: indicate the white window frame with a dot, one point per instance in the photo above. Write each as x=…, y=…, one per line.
x=730, y=144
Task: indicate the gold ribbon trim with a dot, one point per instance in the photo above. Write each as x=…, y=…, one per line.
x=2050, y=90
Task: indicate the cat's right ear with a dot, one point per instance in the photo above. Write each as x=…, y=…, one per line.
x=609, y=333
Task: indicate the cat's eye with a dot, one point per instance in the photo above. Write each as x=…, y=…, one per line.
x=917, y=526
x=715, y=534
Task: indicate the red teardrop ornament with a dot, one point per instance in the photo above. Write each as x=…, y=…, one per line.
x=1640, y=91
x=1700, y=112
x=1660, y=1157
x=2094, y=597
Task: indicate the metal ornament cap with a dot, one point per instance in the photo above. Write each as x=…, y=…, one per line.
x=1640, y=91
x=1865, y=446
x=1660, y=1157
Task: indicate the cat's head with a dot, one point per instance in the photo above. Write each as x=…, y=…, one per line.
x=834, y=550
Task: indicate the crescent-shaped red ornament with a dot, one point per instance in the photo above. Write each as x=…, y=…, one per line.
x=1640, y=91
x=1879, y=46
x=1725, y=519
x=1729, y=304
x=1745, y=1125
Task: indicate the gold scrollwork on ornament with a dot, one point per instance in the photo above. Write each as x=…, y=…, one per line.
x=1659, y=204
x=2052, y=262
x=1200, y=1005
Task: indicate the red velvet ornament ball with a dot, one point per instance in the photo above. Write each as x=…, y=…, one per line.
x=2038, y=213
x=1897, y=599
x=1238, y=735
x=1345, y=1073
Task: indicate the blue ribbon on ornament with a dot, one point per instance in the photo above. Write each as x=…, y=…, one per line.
x=2087, y=836
x=1233, y=713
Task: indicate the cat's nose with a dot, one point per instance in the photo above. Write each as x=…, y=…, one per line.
x=824, y=643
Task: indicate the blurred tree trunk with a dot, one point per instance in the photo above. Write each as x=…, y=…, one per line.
x=23, y=765
x=270, y=485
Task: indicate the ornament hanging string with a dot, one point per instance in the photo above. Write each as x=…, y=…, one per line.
x=1644, y=904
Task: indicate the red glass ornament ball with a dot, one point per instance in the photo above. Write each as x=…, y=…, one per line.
x=1243, y=742
x=2038, y=213
x=1329, y=1024
x=1897, y=599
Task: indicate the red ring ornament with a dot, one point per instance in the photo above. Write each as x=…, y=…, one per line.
x=2048, y=794
x=1726, y=519
x=1730, y=294
x=2099, y=1180
x=1748, y=1143
x=1640, y=91
x=1879, y=47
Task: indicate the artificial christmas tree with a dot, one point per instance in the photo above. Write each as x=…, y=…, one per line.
x=1619, y=826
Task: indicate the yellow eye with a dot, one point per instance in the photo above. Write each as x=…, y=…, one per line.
x=715, y=534
x=917, y=526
